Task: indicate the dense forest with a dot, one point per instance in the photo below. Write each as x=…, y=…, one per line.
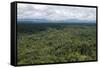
x=55, y=42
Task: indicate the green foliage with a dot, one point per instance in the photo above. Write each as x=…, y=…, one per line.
x=70, y=43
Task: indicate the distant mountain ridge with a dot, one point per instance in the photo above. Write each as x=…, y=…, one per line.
x=48, y=21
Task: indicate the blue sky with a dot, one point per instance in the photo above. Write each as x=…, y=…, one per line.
x=54, y=13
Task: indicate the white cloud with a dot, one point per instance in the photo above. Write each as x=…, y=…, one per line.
x=55, y=13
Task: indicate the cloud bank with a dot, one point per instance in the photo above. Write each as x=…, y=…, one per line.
x=54, y=13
